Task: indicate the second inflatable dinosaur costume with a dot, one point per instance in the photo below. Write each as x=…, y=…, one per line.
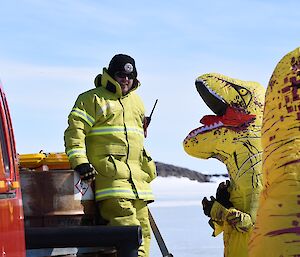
x=277, y=231
x=233, y=137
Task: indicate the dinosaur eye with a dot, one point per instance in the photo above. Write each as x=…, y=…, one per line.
x=243, y=91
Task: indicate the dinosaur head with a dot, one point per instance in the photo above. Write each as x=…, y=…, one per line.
x=237, y=106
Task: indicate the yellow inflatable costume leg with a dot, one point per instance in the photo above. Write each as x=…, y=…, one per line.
x=235, y=243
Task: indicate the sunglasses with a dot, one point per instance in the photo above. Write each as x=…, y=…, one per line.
x=122, y=75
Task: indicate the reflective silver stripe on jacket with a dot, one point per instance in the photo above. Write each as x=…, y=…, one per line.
x=108, y=192
x=76, y=152
x=115, y=129
x=84, y=115
x=123, y=192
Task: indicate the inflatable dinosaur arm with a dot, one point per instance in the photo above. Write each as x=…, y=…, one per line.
x=254, y=202
x=241, y=221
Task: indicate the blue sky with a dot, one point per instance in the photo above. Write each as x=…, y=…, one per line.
x=52, y=50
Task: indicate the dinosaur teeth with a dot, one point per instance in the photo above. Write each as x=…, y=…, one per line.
x=214, y=93
x=203, y=129
x=209, y=127
x=209, y=89
x=200, y=80
x=215, y=125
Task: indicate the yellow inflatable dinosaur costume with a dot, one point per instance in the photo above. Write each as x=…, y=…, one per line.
x=233, y=137
x=277, y=230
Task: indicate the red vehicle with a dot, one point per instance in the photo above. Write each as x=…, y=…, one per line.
x=12, y=239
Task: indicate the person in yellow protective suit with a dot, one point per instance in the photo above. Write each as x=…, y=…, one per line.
x=233, y=137
x=105, y=141
x=277, y=230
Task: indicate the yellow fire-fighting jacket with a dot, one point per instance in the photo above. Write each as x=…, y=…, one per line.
x=106, y=130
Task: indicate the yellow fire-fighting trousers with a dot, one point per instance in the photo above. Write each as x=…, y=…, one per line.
x=126, y=212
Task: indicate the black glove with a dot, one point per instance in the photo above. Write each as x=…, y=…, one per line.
x=222, y=194
x=86, y=171
x=207, y=205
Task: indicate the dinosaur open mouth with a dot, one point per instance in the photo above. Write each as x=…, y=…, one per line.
x=226, y=115
x=215, y=102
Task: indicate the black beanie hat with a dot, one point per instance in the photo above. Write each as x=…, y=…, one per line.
x=122, y=63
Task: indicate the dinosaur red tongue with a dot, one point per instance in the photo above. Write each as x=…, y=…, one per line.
x=232, y=118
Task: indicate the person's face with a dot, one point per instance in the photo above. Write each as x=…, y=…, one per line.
x=125, y=81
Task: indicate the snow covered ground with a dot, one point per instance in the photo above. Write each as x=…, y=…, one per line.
x=179, y=216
